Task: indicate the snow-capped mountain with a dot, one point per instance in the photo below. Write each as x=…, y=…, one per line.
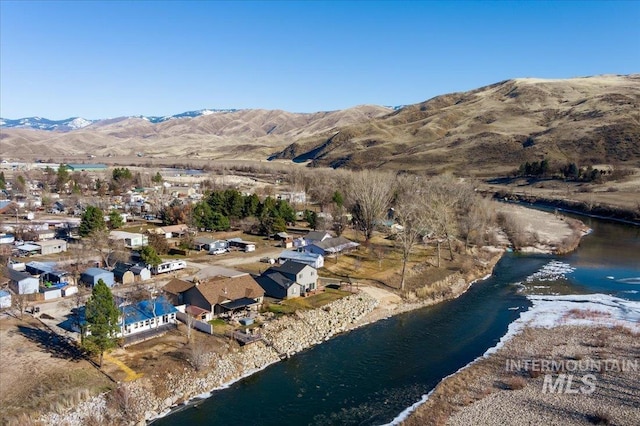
x=40, y=123
x=76, y=123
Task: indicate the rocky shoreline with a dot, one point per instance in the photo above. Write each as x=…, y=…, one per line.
x=148, y=398
x=282, y=338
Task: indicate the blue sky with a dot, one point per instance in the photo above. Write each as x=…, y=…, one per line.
x=108, y=59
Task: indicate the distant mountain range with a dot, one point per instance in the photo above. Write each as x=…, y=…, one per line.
x=75, y=123
x=491, y=129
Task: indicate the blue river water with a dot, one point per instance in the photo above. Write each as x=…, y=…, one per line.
x=370, y=375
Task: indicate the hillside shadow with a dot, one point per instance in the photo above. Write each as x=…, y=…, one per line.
x=57, y=346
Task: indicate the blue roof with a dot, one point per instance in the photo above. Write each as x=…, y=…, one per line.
x=142, y=311
x=4, y=293
x=93, y=272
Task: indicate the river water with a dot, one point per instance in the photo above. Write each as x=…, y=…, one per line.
x=370, y=375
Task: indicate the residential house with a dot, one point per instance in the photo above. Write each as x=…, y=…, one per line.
x=45, y=234
x=52, y=246
x=175, y=231
x=92, y=275
x=291, y=279
x=316, y=236
x=22, y=282
x=311, y=259
x=209, y=244
x=241, y=245
x=157, y=314
x=331, y=246
x=226, y=295
x=175, y=289
x=132, y=240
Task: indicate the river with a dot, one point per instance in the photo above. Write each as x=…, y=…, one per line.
x=372, y=374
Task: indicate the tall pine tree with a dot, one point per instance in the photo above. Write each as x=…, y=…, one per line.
x=103, y=321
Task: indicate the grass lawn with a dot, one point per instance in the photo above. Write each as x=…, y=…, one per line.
x=304, y=303
x=220, y=326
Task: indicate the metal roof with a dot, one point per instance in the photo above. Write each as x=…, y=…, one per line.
x=143, y=311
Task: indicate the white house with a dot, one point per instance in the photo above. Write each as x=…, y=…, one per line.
x=147, y=315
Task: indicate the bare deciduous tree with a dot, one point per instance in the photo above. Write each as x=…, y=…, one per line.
x=371, y=194
x=20, y=302
x=198, y=357
x=110, y=250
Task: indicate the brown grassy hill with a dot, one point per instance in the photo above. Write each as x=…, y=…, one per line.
x=252, y=134
x=486, y=131
x=586, y=120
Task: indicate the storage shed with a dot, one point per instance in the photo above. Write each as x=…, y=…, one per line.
x=23, y=283
x=5, y=299
x=92, y=275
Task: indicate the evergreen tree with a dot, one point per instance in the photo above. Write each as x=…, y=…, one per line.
x=250, y=207
x=115, y=219
x=62, y=177
x=92, y=220
x=102, y=317
x=3, y=181
x=338, y=199
x=149, y=256
x=157, y=178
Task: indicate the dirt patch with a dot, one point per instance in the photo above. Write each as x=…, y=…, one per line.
x=489, y=393
x=42, y=371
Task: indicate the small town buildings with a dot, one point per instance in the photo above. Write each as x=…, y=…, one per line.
x=226, y=295
x=140, y=273
x=5, y=299
x=132, y=240
x=69, y=290
x=76, y=167
x=122, y=274
x=7, y=239
x=331, y=246
x=291, y=279
x=48, y=272
x=52, y=246
x=241, y=245
x=174, y=231
x=148, y=315
x=92, y=275
x=316, y=236
x=128, y=273
x=311, y=259
x=45, y=234
x=28, y=249
x=22, y=282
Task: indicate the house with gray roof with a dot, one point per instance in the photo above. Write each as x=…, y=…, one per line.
x=331, y=246
x=291, y=279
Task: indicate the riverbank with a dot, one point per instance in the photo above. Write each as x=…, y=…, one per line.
x=155, y=396
x=591, y=340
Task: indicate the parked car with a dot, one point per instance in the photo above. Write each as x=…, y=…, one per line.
x=269, y=260
x=218, y=251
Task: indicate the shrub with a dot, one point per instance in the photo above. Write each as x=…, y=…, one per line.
x=515, y=382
